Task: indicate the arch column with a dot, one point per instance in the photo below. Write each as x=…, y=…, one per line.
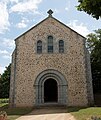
x=60, y=94
x=61, y=84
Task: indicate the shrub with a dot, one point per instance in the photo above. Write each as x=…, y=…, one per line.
x=3, y=115
x=4, y=100
x=95, y=118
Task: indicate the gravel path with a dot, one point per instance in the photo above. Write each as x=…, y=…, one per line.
x=48, y=114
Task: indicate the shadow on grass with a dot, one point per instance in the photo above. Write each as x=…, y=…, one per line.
x=15, y=111
x=54, y=110
x=76, y=109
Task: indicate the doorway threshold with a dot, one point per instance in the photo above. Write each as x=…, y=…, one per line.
x=51, y=105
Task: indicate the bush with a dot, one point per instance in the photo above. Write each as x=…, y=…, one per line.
x=3, y=115
x=95, y=118
x=4, y=100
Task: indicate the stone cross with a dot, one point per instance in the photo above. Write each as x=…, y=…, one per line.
x=50, y=12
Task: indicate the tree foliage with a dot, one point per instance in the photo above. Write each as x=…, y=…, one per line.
x=5, y=83
x=94, y=45
x=91, y=7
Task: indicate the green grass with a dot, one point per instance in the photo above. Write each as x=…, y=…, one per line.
x=3, y=104
x=78, y=113
x=13, y=113
x=3, y=101
x=85, y=113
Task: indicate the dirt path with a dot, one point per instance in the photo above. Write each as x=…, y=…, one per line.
x=48, y=114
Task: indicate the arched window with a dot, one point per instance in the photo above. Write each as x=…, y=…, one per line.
x=39, y=46
x=50, y=44
x=61, y=46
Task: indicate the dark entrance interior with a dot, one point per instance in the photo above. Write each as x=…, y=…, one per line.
x=50, y=90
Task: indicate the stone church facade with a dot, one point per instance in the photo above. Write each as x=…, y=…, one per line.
x=50, y=64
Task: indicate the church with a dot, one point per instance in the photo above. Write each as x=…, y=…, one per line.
x=50, y=66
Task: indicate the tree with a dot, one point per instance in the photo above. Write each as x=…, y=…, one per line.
x=5, y=83
x=94, y=45
x=91, y=7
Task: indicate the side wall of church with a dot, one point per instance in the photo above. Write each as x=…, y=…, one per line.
x=12, y=79
x=71, y=63
x=89, y=78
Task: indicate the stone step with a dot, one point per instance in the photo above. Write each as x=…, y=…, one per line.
x=50, y=105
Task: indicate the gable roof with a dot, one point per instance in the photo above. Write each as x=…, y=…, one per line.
x=45, y=20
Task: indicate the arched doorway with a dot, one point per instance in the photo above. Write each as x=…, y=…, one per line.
x=56, y=82
x=50, y=90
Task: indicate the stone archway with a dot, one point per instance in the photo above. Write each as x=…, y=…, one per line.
x=61, y=86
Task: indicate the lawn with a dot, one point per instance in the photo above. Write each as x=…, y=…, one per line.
x=13, y=113
x=78, y=113
x=85, y=113
x=4, y=102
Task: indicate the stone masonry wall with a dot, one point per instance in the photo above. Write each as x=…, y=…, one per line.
x=71, y=63
x=89, y=78
x=12, y=79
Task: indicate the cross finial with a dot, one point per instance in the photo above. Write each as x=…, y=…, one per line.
x=50, y=12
